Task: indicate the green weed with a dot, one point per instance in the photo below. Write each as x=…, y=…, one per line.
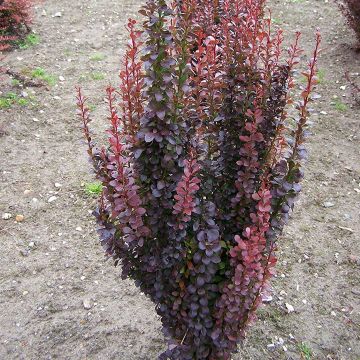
x=97, y=76
x=29, y=41
x=97, y=57
x=94, y=188
x=305, y=350
x=10, y=99
x=340, y=106
x=41, y=74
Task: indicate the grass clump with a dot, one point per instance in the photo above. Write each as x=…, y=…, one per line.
x=93, y=188
x=29, y=41
x=40, y=73
x=97, y=57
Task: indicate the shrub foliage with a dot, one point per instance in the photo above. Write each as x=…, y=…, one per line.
x=14, y=20
x=351, y=10
x=203, y=165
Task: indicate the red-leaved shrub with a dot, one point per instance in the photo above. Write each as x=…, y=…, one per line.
x=14, y=20
x=351, y=10
x=203, y=165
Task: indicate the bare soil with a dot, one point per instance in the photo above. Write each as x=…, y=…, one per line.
x=51, y=262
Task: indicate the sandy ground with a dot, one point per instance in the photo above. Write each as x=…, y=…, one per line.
x=51, y=262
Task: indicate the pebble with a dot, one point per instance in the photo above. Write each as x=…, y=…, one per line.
x=61, y=78
x=52, y=199
x=79, y=228
x=19, y=218
x=289, y=308
x=57, y=14
x=31, y=244
x=328, y=204
x=25, y=292
x=267, y=299
x=6, y=216
x=27, y=192
x=57, y=185
x=35, y=119
x=88, y=304
x=24, y=253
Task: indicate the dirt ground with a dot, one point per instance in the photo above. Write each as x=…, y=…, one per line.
x=51, y=264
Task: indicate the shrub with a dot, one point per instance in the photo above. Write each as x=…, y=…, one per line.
x=14, y=21
x=203, y=165
x=351, y=10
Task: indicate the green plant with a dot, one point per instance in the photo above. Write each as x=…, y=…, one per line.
x=10, y=99
x=41, y=74
x=97, y=76
x=30, y=40
x=94, y=188
x=305, y=351
x=340, y=106
x=15, y=82
x=97, y=57
x=321, y=76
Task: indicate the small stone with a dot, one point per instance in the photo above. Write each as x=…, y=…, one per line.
x=57, y=185
x=61, y=78
x=35, y=119
x=57, y=14
x=24, y=253
x=267, y=299
x=25, y=292
x=52, y=199
x=43, y=13
x=24, y=94
x=19, y=218
x=345, y=228
x=27, y=192
x=6, y=216
x=355, y=292
x=31, y=244
x=354, y=259
x=82, y=278
x=343, y=87
x=289, y=308
x=328, y=204
x=57, y=97
x=281, y=341
x=88, y=304
x=333, y=313
x=79, y=228
x=323, y=112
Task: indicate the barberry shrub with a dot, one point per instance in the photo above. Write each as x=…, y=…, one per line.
x=351, y=10
x=203, y=165
x=15, y=19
